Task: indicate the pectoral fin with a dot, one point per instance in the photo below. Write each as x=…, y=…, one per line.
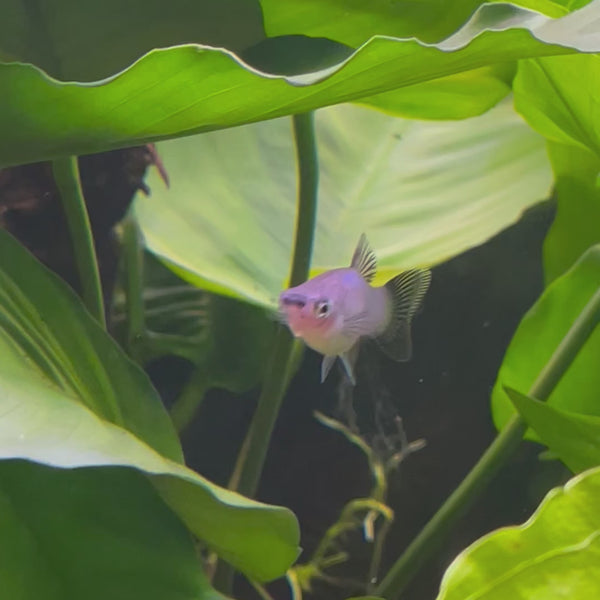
x=326, y=366
x=407, y=291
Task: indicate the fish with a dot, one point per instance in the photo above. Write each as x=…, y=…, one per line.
x=333, y=311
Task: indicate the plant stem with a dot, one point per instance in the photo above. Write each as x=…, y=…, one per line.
x=433, y=534
x=190, y=398
x=251, y=458
x=134, y=286
x=66, y=175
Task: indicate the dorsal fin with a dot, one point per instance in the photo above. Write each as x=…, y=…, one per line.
x=407, y=291
x=364, y=260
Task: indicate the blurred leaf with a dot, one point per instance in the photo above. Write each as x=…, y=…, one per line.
x=573, y=437
x=453, y=97
x=559, y=97
x=82, y=40
x=191, y=89
x=422, y=192
x=575, y=227
x=538, y=335
x=92, y=533
x=70, y=398
x=554, y=555
x=229, y=340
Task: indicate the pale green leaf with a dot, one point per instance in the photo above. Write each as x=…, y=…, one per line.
x=422, y=192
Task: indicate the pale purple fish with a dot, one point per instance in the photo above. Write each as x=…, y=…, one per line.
x=333, y=311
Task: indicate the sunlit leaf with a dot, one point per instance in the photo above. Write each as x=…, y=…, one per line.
x=453, y=97
x=422, y=192
x=69, y=534
x=70, y=398
x=575, y=227
x=554, y=555
x=191, y=89
x=538, y=336
x=559, y=97
x=573, y=437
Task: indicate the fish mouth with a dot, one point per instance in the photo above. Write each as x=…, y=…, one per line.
x=293, y=300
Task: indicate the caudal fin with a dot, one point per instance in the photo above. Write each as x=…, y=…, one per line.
x=407, y=291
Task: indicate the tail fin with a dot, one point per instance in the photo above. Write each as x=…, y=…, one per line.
x=407, y=291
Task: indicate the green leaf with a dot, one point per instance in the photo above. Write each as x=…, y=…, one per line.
x=554, y=555
x=575, y=227
x=559, y=96
x=573, y=437
x=92, y=533
x=46, y=331
x=422, y=192
x=453, y=97
x=431, y=21
x=191, y=89
x=82, y=40
x=538, y=335
x=70, y=398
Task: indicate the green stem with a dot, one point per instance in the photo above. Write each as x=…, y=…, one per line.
x=189, y=400
x=134, y=286
x=248, y=469
x=66, y=175
x=433, y=534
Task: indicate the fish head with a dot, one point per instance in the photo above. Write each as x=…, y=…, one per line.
x=307, y=315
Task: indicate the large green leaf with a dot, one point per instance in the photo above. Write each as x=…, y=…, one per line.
x=559, y=97
x=354, y=22
x=573, y=437
x=422, y=192
x=70, y=398
x=69, y=534
x=554, y=555
x=575, y=227
x=190, y=89
x=538, y=335
x=46, y=331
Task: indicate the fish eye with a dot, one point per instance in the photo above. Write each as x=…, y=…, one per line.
x=322, y=308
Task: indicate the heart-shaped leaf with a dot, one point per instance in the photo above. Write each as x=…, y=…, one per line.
x=422, y=192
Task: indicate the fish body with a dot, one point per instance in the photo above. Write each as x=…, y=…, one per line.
x=333, y=311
